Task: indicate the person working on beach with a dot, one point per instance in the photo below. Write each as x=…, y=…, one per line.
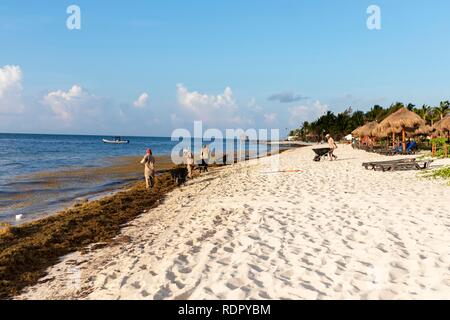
x=205, y=157
x=189, y=162
x=149, y=169
x=332, y=146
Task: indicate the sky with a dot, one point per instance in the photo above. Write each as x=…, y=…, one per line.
x=148, y=67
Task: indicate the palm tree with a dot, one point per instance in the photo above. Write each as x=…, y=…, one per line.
x=396, y=106
x=410, y=106
x=375, y=113
x=357, y=118
x=432, y=115
x=304, y=130
x=443, y=109
x=423, y=111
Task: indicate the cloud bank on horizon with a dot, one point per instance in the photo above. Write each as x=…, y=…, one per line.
x=76, y=110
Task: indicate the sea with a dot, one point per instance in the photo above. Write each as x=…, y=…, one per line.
x=41, y=174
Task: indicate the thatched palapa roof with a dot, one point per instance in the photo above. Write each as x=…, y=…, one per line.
x=368, y=130
x=443, y=125
x=382, y=132
x=402, y=119
x=424, y=129
x=356, y=132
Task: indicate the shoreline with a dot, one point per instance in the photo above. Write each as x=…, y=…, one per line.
x=27, y=250
x=42, y=194
x=45, y=240
x=232, y=235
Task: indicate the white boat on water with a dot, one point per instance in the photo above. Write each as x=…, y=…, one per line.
x=117, y=140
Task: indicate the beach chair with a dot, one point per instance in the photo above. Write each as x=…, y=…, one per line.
x=411, y=148
x=397, y=165
x=413, y=166
x=379, y=165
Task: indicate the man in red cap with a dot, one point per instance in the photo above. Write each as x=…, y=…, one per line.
x=149, y=169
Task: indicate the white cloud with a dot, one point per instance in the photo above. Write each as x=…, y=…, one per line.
x=10, y=79
x=270, y=118
x=215, y=110
x=11, y=89
x=308, y=112
x=254, y=106
x=142, y=101
x=198, y=102
x=67, y=104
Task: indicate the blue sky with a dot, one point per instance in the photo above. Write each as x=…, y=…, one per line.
x=229, y=63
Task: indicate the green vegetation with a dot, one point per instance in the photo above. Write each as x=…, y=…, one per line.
x=442, y=173
x=344, y=123
x=440, y=142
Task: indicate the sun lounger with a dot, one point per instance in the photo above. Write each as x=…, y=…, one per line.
x=397, y=165
x=412, y=166
x=411, y=148
x=376, y=164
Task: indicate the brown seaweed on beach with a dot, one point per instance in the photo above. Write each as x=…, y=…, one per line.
x=28, y=250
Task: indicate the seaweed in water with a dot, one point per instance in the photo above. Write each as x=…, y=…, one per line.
x=28, y=250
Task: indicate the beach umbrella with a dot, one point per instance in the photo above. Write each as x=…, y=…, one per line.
x=355, y=132
x=368, y=130
x=402, y=120
x=381, y=132
x=385, y=132
x=388, y=131
x=443, y=125
x=423, y=129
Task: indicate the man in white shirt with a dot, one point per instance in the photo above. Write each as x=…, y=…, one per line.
x=149, y=169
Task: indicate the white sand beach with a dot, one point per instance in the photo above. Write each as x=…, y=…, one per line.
x=332, y=230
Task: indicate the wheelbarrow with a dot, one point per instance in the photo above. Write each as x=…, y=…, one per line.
x=321, y=153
